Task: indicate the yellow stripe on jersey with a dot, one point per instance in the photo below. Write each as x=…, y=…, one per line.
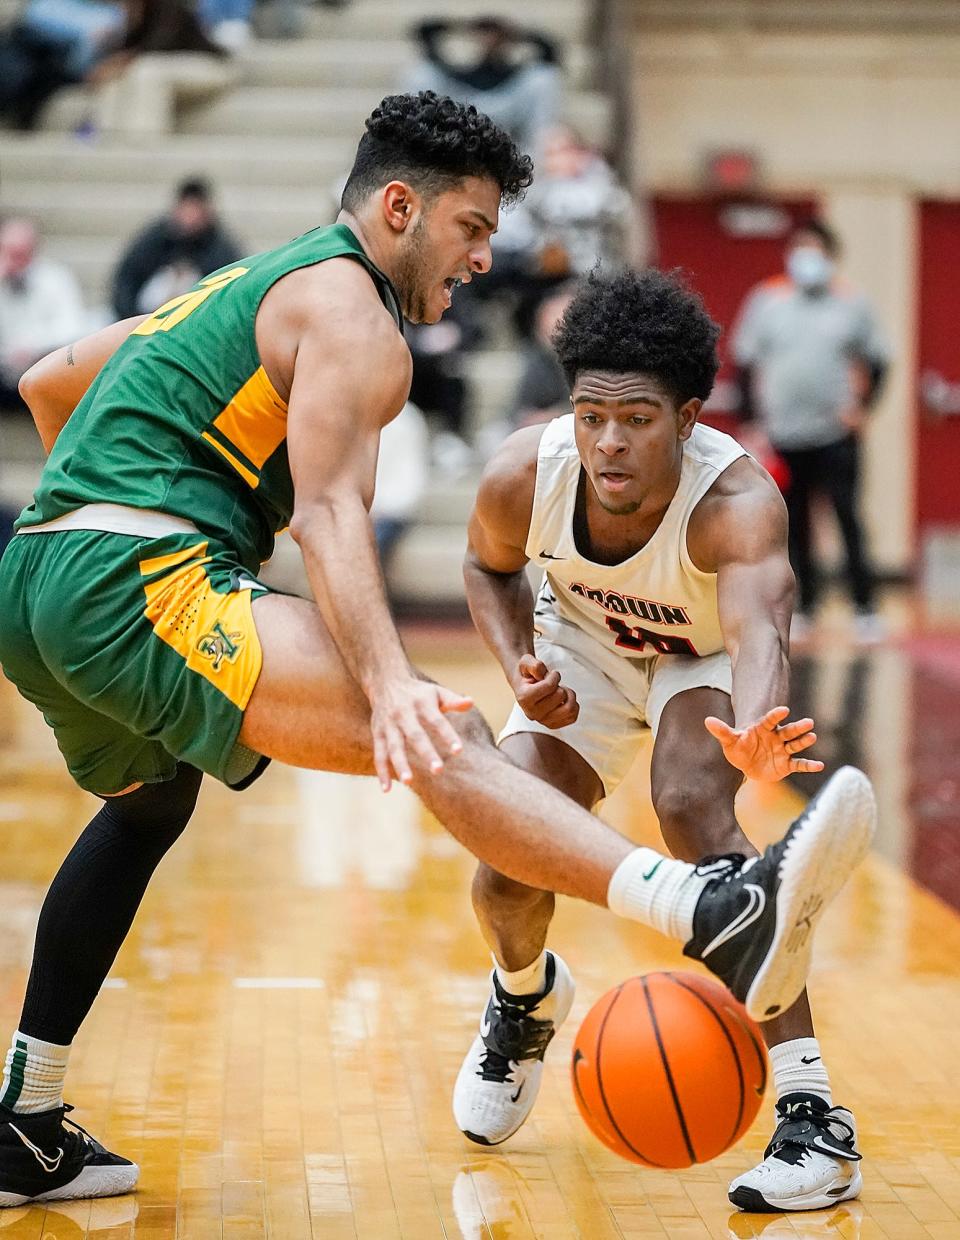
x=255, y=420
x=249, y=478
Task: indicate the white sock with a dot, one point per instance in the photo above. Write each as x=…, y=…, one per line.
x=33, y=1075
x=529, y=981
x=648, y=887
x=798, y=1068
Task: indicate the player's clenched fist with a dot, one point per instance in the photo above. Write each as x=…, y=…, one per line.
x=541, y=696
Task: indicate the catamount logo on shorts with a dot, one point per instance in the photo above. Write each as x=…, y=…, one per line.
x=218, y=645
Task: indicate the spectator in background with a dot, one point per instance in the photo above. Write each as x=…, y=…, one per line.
x=812, y=361
x=171, y=254
x=439, y=386
x=543, y=392
x=402, y=476
x=227, y=22
x=165, y=59
x=575, y=215
x=52, y=44
x=581, y=214
x=511, y=74
x=41, y=306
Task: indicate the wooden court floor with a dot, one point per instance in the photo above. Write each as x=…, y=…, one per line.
x=279, y=1037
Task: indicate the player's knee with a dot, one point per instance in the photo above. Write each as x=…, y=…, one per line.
x=160, y=811
x=491, y=889
x=689, y=818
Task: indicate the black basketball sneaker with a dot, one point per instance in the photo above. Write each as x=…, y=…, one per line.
x=42, y=1159
x=753, y=925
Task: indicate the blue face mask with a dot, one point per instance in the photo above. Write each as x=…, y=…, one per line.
x=809, y=267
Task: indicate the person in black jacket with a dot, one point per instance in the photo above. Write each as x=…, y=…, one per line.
x=172, y=253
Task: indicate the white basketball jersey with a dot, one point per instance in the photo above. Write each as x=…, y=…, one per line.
x=655, y=602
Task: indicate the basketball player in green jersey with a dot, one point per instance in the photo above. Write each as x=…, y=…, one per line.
x=132, y=616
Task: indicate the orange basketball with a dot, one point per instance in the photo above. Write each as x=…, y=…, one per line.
x=668, y=1069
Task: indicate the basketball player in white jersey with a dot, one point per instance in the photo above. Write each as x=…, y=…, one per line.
x=665, y=606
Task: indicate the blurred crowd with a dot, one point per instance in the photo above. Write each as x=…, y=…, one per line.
x=811, y=359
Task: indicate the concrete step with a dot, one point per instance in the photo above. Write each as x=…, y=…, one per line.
x=256, y=213
x=333, y=112
x=383, y=19
x=365, y=63
x=60, y=158
x=338, y=113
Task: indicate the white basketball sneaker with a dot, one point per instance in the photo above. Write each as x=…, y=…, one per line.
x=500, y=1077
x=811, y=1163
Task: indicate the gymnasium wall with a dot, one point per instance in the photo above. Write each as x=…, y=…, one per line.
x=865, y=123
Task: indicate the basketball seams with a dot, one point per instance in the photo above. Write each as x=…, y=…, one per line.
x=730, y=1042
x=666, y=1068
x=603, y=1095
x=761, y=1056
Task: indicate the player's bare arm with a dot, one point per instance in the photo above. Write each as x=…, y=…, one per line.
x=498, y=589
x=350, y=376
x=53, y=387
x=739, y=531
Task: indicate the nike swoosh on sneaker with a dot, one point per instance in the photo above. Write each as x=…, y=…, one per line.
x=515, y=1097
x=46, y=1162
x=835, y=1151
x=746, y=917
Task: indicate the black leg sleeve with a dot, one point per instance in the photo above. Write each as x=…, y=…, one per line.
x=93, y=899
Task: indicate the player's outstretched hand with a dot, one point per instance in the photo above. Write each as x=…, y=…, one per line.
x=409, y=728
x=541, y=696
x=767, y=749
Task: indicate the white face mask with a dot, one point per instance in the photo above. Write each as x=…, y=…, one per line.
x=809, y=267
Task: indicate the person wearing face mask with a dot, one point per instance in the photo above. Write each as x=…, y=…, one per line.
x=812, y=361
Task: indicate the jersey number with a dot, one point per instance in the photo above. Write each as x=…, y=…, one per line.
x=175, y=311
x=637, y=639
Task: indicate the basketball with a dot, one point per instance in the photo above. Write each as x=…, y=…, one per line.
x=668, y=1069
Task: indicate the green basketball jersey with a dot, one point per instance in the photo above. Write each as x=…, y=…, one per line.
x=183, y=418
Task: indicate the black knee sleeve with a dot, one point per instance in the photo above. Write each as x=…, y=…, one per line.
x=94, y=897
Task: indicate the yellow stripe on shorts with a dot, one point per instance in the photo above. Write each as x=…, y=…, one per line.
x=213, y=633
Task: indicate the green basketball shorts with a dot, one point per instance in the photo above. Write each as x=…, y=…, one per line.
x=139, y=652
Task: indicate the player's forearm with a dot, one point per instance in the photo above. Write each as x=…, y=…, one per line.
x=761, y=672
x=340, y=555
x=501, y=605
x=53, y=387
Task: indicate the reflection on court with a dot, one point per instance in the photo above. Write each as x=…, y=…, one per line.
x=305, y=976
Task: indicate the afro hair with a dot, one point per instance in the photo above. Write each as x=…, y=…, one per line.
x=434, y=142
x=646, y=322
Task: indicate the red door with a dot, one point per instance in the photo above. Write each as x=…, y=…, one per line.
x=727, y=247
x=938, y=367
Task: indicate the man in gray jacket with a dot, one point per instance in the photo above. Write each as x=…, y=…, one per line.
x=812, y=361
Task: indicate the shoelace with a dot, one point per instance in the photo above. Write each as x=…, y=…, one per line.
x=722, y=866
x=70, y=1139
x=518, y=1035
x=796, y=1133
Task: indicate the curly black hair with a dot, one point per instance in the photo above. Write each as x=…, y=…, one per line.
x=644, y=321
x=434, y=142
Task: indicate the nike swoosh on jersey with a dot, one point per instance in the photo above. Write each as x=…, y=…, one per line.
x=744, y=918
x=46, y=1162
x=545, y=555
